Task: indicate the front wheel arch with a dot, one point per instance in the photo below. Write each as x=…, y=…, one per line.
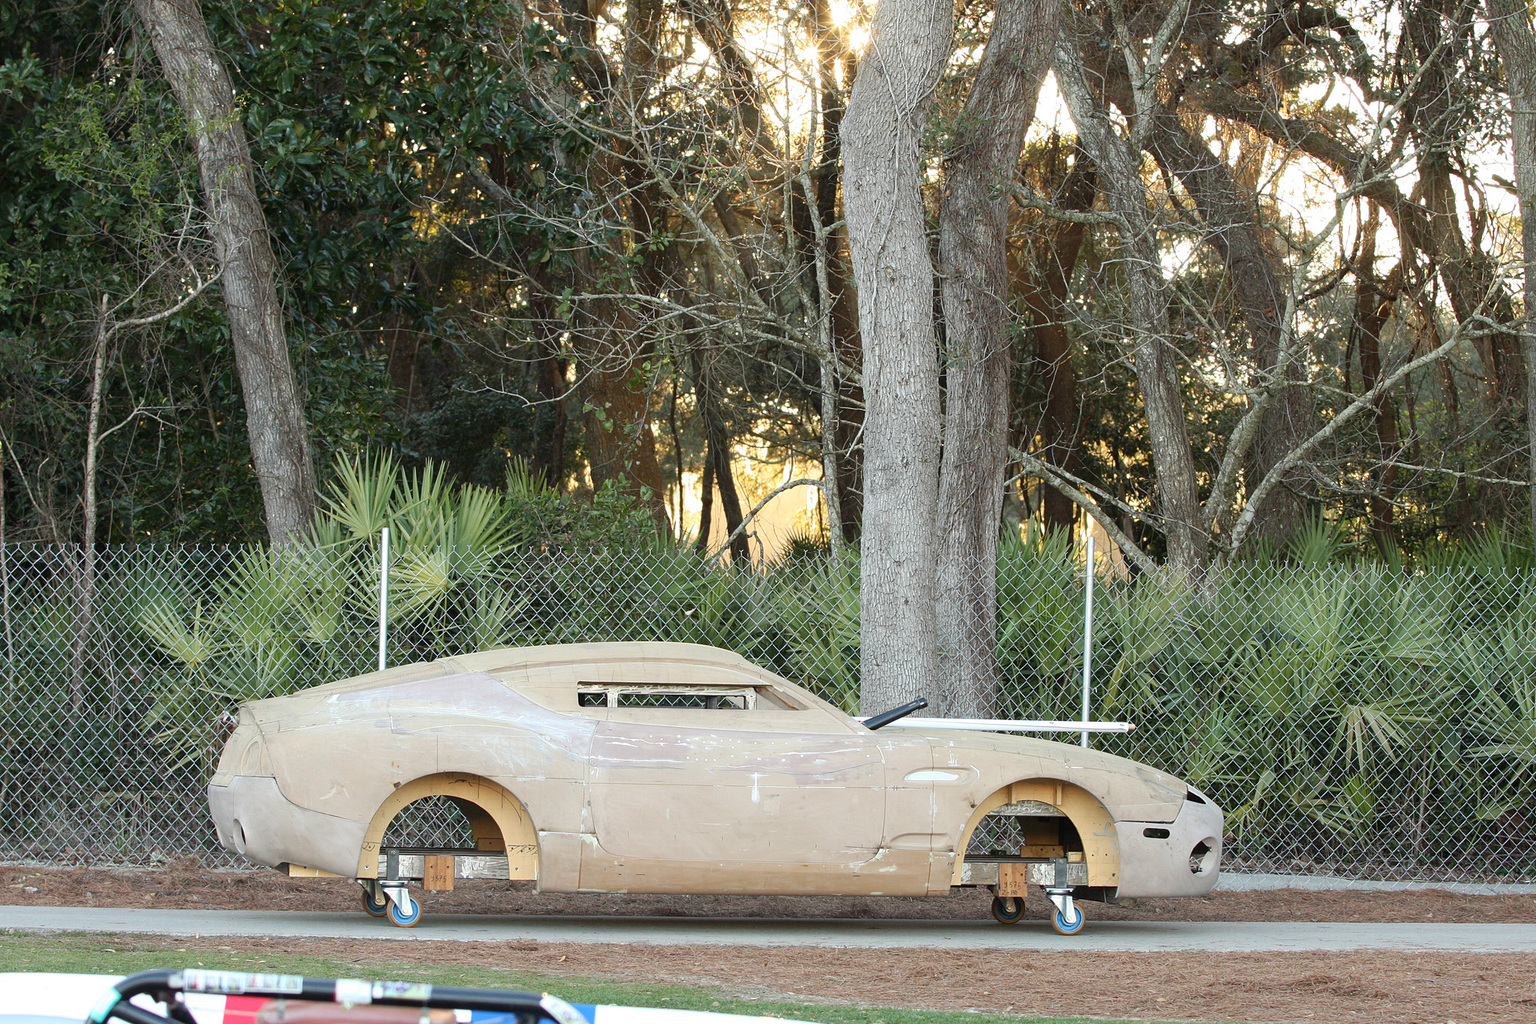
x=1094, y=824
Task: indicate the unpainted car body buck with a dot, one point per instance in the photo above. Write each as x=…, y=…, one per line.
x=677, y=768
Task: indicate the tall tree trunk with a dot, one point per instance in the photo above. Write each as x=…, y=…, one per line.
x=1468, y=292
x=1433, y=113
x=706, y=504
x=402, y=356
x=619, y=430
x=549, y=458
x=613, y=347
x=717, y=453
x=848, y=396
x=883, y=162
x=274, y=408
x=5, y=587
x=1043, y=285
x=88, y=504
x=1229, y=213
x=1516, y=43
x=621, y=446
x=1428, y=221
x=609, y=335
x=973, y=239
x=715, y=21
x=553, y=388
x=1374, y=301
x=848, y=350
x=1156, y=364
x=85, y=571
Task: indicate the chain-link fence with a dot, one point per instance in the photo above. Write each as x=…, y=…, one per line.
x=1357, y=721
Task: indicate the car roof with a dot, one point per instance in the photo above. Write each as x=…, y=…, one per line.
x=531, y=670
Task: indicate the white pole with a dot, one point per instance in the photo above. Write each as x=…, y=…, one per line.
x=383, y=595
x=1088, y=634
x=1008, y=725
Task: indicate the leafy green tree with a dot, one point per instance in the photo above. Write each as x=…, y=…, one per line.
x=362, y=124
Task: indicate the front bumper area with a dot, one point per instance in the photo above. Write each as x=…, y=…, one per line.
x=255, y=820
x=1178, y=858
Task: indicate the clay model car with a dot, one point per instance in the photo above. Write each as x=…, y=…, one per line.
x=677, y=768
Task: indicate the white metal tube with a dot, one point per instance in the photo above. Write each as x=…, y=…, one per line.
x=1088, y=635
x=383, y=596
x=1009, y=725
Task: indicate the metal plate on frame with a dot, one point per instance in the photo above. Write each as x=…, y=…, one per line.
x=1043, y=873
x=412, y=865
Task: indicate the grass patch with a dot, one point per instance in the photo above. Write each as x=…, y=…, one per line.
x=73, y=953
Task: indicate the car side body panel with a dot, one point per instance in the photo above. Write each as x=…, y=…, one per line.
x=682, y=793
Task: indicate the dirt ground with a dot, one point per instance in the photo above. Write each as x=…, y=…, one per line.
x=1412, y=988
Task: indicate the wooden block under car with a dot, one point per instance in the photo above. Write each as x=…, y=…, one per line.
x=300, y=871
x=437, y=874
x=1012, y=879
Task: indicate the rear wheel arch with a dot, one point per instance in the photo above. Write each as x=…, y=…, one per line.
x=499, y=821
x=1094, y=824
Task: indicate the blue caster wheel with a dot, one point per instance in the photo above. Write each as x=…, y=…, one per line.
x=1008, y=909
x=1071, y=926
x=375, y=902
x=407, y=917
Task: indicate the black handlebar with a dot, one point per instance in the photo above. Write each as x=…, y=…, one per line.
x=887, y=717
x=165, y=985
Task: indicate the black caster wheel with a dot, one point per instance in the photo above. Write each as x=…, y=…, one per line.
x=375, y=902
x=1008, y=909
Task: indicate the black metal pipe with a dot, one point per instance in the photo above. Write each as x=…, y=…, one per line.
x=887, y=717
x=131, y=1014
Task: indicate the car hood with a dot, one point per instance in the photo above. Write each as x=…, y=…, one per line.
x=1128, y=789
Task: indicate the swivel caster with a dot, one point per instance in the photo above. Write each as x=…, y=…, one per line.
x=1066, y=925
x=375, y=902
x=1068, y=919
x=403, y=911
x=1008, y=909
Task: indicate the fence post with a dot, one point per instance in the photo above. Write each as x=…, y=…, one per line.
x=383, y=595
x=1088, y=635
x=5, y=590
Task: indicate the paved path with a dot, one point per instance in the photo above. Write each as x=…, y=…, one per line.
x=1233, y=882
x=1103, y=936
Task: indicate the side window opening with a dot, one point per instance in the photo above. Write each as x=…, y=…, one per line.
x=740, y=701
x=682, y=696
